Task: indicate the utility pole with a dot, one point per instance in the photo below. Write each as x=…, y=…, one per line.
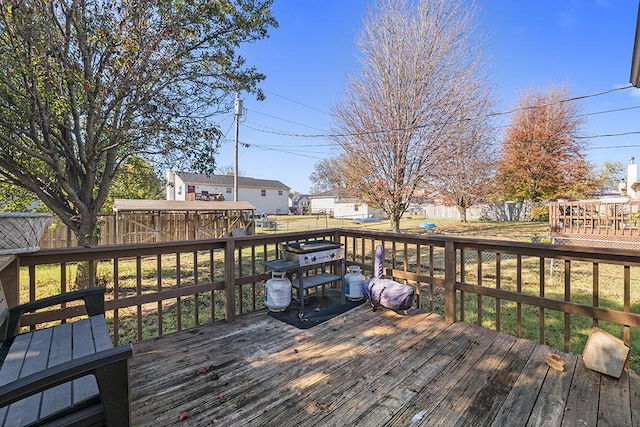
x=238, y=113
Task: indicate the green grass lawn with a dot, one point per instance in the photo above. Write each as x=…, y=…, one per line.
x=521, y=231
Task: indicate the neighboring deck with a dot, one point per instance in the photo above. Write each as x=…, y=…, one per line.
x=369, y=369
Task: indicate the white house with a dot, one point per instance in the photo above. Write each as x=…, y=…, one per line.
x=268, y=196
x=342, y=207
x=630, y=186
x=323, y=202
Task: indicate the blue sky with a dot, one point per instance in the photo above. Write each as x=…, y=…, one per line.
x=585, y=44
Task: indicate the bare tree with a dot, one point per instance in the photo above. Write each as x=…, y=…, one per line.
x=397, y=112
x=327, y=175
x=465, y=176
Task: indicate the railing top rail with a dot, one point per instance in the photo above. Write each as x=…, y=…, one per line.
x=102, y=252
x=591, y=254
x=579, y=253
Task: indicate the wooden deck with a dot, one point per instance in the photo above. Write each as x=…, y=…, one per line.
x=367, y=368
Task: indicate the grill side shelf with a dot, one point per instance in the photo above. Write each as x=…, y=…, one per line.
x=315, y=280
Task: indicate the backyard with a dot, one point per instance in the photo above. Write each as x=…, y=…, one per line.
x=188, y=283
x=505, y=230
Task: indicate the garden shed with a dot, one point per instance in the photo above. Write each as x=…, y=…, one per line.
x=168, y=220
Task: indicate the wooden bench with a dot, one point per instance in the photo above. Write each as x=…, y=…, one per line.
x=68, y=374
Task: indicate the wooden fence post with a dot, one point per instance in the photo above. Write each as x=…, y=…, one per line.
x=449, y=282
x=229, y=280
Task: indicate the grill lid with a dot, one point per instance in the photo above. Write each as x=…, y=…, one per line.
x=310, y=246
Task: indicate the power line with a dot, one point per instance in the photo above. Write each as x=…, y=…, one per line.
x=615, y=146
x=284, y=120
x=609, y=135
x=608, y=111
x=374, y=132
x=298, y=102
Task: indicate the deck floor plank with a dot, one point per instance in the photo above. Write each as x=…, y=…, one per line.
x=357, y=373
x=612, y=391
x=581, y=407
x=634, y=396
x=334, y=351
x=522, y=396
x=440, y=370
x=552, y=400
x=367, y=368
x=375, y=379
x=461, y=394
x=488, y=399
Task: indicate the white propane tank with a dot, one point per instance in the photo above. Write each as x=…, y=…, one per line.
x=353, y=282
x=277, y=291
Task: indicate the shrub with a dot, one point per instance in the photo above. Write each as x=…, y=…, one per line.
x=539, y=213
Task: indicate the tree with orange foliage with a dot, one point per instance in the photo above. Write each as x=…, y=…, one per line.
x=543, y=154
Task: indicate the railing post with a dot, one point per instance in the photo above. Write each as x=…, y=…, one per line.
x=9, y=279
x=449, y=282
x=229, y=280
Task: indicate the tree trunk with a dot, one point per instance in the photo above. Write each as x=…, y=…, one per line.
x=395, y=221
x=463, y=213
x=88, y=235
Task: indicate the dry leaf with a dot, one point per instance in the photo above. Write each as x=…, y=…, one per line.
x=554, y=361
x=184, y=416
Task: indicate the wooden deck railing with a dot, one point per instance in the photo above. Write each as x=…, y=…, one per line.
x=545, y=293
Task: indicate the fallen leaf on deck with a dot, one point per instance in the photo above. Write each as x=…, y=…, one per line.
x=184, y=416
x=554, y=361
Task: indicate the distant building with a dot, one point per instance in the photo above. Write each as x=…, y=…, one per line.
x=630, y=186
x=341, y=207
x=268, y=196
x=299, y=204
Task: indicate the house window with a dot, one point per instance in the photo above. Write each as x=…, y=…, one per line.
x=279, y=192
x=263, y=193
x=355, y=208
x=229, y=190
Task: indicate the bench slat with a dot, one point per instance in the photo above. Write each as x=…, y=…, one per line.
x=58, y=397
x=27, y=410
x=101, y=336
x=85, y=387
x=13, y=365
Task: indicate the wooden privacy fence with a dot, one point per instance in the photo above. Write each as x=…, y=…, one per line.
x=550, y=294
x=602, y=223
x=142, y=227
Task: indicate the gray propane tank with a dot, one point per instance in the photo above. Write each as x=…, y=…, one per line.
x=353, y=282
x=277, y=291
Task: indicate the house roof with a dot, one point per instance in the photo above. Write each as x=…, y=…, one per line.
x=136, y=205
x=227, y=181
x=324, y=194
